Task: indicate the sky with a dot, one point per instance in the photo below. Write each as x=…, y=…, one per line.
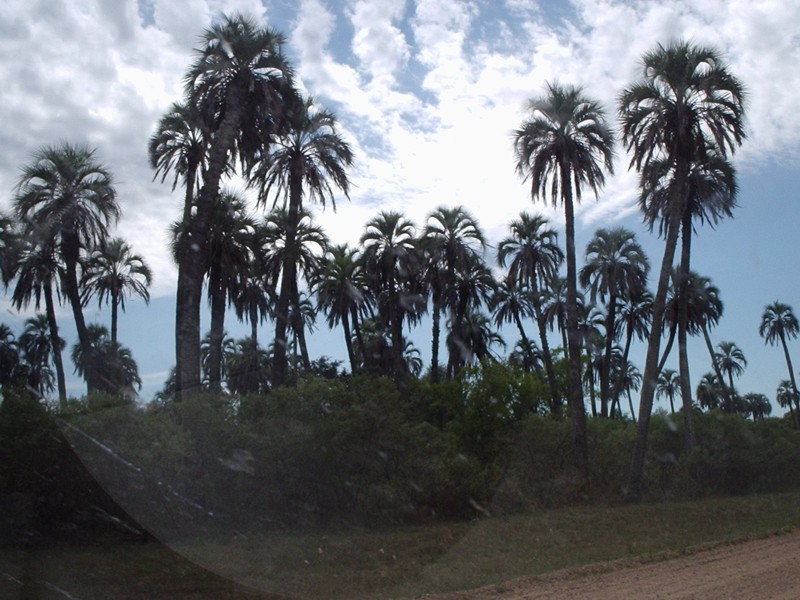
x=428, y=93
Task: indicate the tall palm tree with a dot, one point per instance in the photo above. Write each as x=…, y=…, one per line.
x=686, y=106
x=616, y=267
x=310, y=158
x=37, y=351
x=778, y=323
x=564, y=145
x=730, y=359
x=451, y=237
x=38, y=279
x=389, y=252
x=239, y=83
x=111, y=272
x=668, y=385
x=533, y=257
x=67, y=198
x=341, y=293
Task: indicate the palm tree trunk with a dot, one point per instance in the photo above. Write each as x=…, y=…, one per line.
x=217, y=331
x=55, y=342
x=192, y=266
x=435, y=333
x=288, y=278
x=617, y=390
x=791, y=377
x=650, y=376
x=357, y=332
x=605, y=367
x=683, y=324
x=541, y=323
x=574, y=391
x=114, y=316
x=715, y=366
x=630, y=404
x=70, y=252
x=673, y=330
x=348, y=342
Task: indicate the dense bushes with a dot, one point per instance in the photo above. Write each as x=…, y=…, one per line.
x=362, y=451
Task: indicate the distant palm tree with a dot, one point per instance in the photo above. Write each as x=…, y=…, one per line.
x=38, y=277
x=686, y=106
x=757, y=405
x=710, y=392
x=389, y=252
x=777, y=324
x=533, y=258
x=111, y=272
x=10, y=243
x=730, y=359
x=66, y=200
x=9, y=356
x=563, y=145
x=627, y=378
x=311, y=158
x=341, y=292
x=450, y=239
x=669, y=386
x=110, y=365
x=511, y=302
x=786, y=395
x=248, y=368
x=635, y=313
x=616, y=267
x=37, y=351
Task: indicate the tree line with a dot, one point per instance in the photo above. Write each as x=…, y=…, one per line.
x=242, y=114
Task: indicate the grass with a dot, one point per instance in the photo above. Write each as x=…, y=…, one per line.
x=392, y=563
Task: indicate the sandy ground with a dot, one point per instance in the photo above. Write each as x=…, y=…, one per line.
x=753, y=570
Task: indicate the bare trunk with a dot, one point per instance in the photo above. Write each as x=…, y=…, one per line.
x=55, y=342
x=555, y=397
x=683, y=324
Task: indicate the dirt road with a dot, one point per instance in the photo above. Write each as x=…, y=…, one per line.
x=764, y=569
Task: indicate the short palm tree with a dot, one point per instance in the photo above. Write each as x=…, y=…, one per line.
x=686, y=106
x=668, y=386
x=757, y=405
x=616, y=267
x=111, y=365
x=451, y=237
x=310, y=158
x=730, y=360
x=511, y=302
x=534, y=257
x=38, y=278
x=787, y=396
x=564, y=145
x=37, y=350
x=778, y=323
x=67, y=199
x=112, y=272
x=389, y=251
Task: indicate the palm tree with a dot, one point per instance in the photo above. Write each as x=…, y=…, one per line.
x=38, y=278
x=239, y=84
x=686, y=106
x=9, y=356
x=616, y=267
x=37, y=351
x=710, y=392
x=65, y=197
x=473, y=338
x=533, y=259
x=509, y=303
x=388, y=255
x=564, y=145
x=451, y=237
x=10, y=243
x=248, y=368
x=634, y=320
x=778, y=323
x=311, y=157
x=628, y=378
x=341, y=293
x=730, y=359
x=111, y=272
x=110, y=365
x=757, y=405
x=786, y=395
x=668, y=385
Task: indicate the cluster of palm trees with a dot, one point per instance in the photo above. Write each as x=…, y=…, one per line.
x=57, y=246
